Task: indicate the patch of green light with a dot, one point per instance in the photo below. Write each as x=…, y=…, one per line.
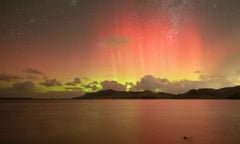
x=5, y=85
x=43, y=89
x=157, y=90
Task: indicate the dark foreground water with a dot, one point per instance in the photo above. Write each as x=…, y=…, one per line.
x=120, y=122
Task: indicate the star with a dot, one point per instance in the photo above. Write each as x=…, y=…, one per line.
x=31, y=21
x=74, y=2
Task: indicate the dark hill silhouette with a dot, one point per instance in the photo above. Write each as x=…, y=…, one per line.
x=223, y=93
x=112, y=94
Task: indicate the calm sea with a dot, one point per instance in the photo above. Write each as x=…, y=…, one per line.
x=120, y=122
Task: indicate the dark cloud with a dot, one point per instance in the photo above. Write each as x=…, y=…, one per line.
x=114, y=85
x=28, y=89
x=8, y=77
x=94, y=85
x=50, y=83
x=33, y=71
x=116, y=40
x=197, y=72
x=149, y=82
x=21, y=89
x=24, y=87
x=75, y=82
x=152, y=83
x=205, y=77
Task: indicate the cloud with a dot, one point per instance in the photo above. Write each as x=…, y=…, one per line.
x=149, y=82
x=205, y=77
x=117, y=40
x=33, y=71
x=75, y=82
x=152, y=83
x=21, y=89
x=8, y=77
x=29, y=89
x=34, y=74
x=25, y=87
x=50, y=83
x=181, y=86
x=114, y=85
x=197, y=72
x=94, y=86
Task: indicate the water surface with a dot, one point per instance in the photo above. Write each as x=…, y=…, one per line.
x=120, y=121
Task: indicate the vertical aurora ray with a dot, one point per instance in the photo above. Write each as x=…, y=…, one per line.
x=141, y=44
x=119, y=42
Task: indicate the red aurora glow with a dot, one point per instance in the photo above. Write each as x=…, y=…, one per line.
x=133, y=45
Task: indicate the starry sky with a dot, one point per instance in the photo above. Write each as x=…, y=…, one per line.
x=65, y=48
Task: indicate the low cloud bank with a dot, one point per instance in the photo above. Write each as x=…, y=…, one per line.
x=16, y=86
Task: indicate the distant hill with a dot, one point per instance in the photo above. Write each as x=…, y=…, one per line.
x=15, y=98
x=223, y=93
x=112, y=94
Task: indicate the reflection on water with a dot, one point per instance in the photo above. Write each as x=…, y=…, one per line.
x=120, y=121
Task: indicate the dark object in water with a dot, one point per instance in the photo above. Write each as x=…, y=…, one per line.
x=185, y=137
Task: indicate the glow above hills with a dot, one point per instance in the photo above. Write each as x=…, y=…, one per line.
x=161, y=45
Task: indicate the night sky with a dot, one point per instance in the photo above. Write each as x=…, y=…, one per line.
x=64, y=48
